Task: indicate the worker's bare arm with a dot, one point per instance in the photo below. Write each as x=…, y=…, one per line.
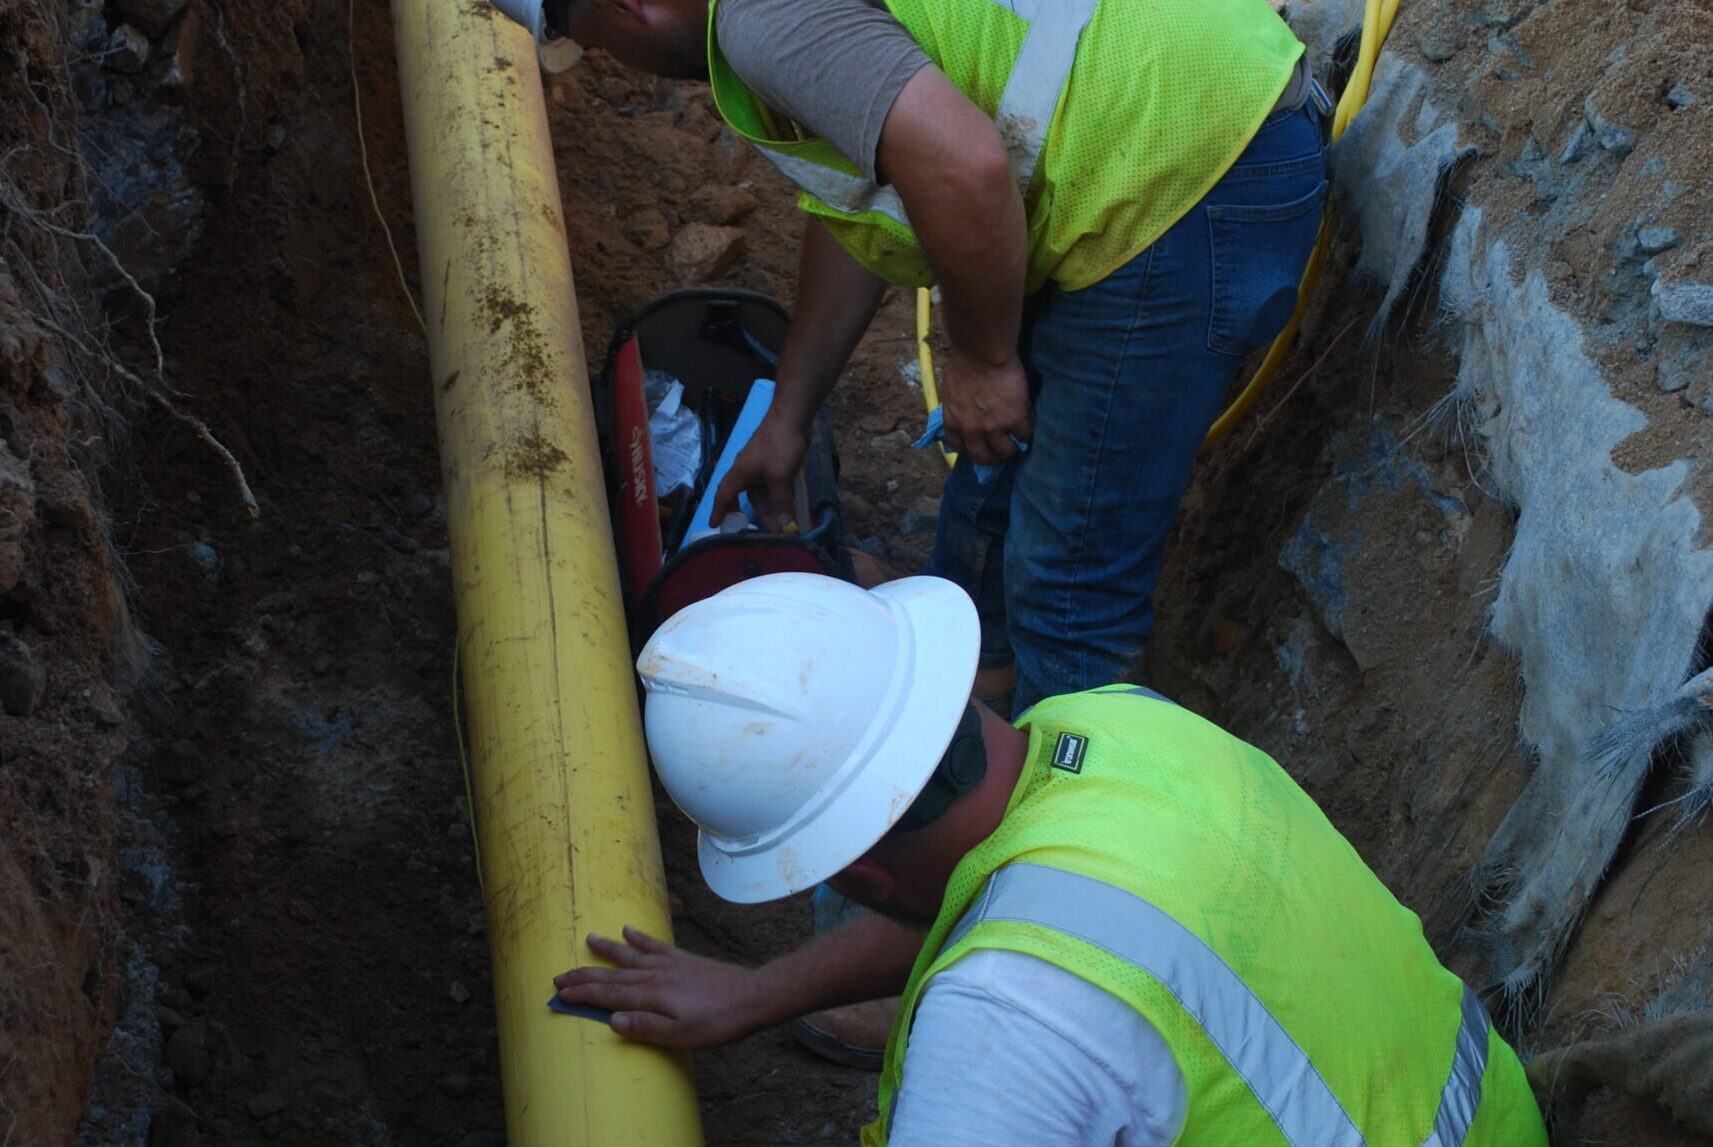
x=665, y=995
x=836, y=299
x=950, y=167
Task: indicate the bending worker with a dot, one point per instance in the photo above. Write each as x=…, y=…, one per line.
x=1112, y=923
x=1116, y=199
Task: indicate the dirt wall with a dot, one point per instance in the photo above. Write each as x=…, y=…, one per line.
x=69, y=657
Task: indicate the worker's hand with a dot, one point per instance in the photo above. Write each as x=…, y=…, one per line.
x=764, y=469
x=985, y=408
x=664, y=995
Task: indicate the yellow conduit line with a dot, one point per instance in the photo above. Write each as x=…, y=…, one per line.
x=1376, y=24
x=363, y=151
x=1281, y=347
x=925, y=359
x=566, y=818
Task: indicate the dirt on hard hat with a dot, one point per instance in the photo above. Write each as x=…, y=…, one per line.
x=1461, y=534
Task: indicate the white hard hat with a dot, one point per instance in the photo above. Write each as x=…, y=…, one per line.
x=795, y=717
x=546, y=20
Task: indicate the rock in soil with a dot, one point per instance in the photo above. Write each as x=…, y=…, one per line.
x=702, y=251
x=152, y=16
x=265, y=1106
x=1653, y=240
x=173, y=1127
x=22, y=681
x=180, y=763
x=919, y=519
x=190, y=1053
x=724, y=205
x=1688, y=303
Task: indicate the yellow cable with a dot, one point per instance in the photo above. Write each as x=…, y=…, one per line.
x=1251, y=392
x=1376, y=23
x=925, y=359
x=368, y=178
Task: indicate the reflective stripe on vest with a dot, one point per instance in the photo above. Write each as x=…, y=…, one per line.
x=1144, y=691
x=1283, y=1079
x=1135, y=690
x=1038, y=78
x=1462, y=1094
x=849, y=193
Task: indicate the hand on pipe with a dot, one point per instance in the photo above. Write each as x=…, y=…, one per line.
x=764, y=469
x=986, y=408
x=664, y=995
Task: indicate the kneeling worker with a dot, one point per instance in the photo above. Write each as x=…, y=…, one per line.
x=1126, y=926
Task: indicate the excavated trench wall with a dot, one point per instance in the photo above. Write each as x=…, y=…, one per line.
x=1488, y=655
x=71, y=659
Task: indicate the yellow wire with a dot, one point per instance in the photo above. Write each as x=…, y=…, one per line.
x=398, y=265
x=1376, y=25
x=925, y=358
x=363, y=150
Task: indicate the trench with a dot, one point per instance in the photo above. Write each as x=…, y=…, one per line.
x=256, y=890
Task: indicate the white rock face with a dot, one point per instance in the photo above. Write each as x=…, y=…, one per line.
x=1603, y=596
x=1608, y=583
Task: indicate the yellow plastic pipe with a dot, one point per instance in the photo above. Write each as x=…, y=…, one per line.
x=564, y=815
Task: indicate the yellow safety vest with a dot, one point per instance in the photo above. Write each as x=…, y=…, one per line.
x=1119, y=116
x=1181, y=870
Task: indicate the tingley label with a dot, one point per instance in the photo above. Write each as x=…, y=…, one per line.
x=1068, y=753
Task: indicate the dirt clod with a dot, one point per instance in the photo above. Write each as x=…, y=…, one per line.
x=152, y=16
x=723, y=204
x=702, y=251
x=919, y=519
x=190, y=1053
x=181, y=763
x=265, y=1106
x=23, y=680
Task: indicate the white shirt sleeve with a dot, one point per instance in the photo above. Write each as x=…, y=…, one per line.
x=1009, y=1049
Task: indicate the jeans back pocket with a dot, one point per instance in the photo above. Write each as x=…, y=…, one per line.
x=1258, y=253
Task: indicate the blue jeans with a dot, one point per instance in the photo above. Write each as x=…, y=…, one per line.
x=1062, y=550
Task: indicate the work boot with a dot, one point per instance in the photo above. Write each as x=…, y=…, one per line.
x=852, y=1036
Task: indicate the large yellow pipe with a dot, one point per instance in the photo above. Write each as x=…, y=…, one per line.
x=565, y=820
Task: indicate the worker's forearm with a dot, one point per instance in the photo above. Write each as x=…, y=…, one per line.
x=980, y=266
x=836, y=299
x=665, y=995
x=867, y=959
x=952, y=171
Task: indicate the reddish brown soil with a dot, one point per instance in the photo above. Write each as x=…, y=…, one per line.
x=67, y=651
